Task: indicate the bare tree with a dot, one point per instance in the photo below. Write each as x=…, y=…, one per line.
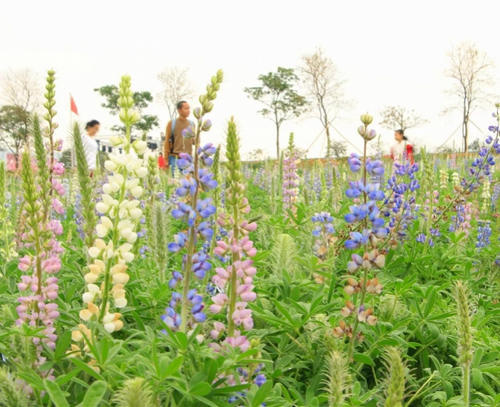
x=21, y=88
x=325, y=87
x=176, y=87
x=399, y=117
x=470, y=70
x=257, y=154
x=339, y=149
x=20, y=95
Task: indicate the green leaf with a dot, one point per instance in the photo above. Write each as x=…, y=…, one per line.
x=261, y=394
x=387, y=342
x=94, y=394
x=183, y=340
x=230, y=389
x=55, y=393
x=32, y=379
x=362, y=358
x=200, y=389
x=63, y=343
x=170, y=367
x=210, y=370
x=206, y=402
x=63, y=379
x=82, y=365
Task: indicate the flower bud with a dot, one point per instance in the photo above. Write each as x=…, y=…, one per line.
x=109, y=327
x=85, y=314
x=120, y=278
x=366, y=119
x=208, y=106
x=90, y=278
x=206, y=125
x=140, y=146
x=115, y=140
x=101, y=207
x=136, y=191
x=76, y=336
x=87, y=297
x=134, y=116
x=120, y=302
x=135, y=213
x=362, y=131
x=197, y=112
x=94, y=252
x=141, y=172
x=101, y=230
x=188, y=132
x=371, y=134
x=110, y=165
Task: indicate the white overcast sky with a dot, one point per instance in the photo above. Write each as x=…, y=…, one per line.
x=390, y=52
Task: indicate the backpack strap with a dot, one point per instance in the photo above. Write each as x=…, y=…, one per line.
x=173, y=128
x=171, y=137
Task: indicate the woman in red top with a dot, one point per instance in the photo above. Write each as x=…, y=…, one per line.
x=409, y=153
x=402, y=151
x=161, y=162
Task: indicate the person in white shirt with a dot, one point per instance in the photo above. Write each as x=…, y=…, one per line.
x=401, y=151
x=90, y=144
x=399, y=147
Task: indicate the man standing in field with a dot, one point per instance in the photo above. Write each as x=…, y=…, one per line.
x=175, y=143
x=90, y=146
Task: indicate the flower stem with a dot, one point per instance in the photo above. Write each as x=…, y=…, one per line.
x=234, y=277
x=466, y=384
x=192, y=237
x=365, y=271
x=116, y=233
x=356, y=321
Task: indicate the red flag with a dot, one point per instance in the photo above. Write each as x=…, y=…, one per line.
x=73, y=105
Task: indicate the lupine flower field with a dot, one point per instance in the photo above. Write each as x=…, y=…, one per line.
x=349, y=282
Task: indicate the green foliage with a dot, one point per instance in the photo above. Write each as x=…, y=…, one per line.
x=15, y=123
x=428, y=325
x=464, y=337
x=66, y=159
x=283, y=255
x=7, y=241
x=149, y=209
x=2, y=184
x=159, y=233
x=86, y=187
x=10, y=393
x=278, y=94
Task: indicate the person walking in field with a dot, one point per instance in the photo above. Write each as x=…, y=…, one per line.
x=401, y=151
x=90, y=145
x=175, y=143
